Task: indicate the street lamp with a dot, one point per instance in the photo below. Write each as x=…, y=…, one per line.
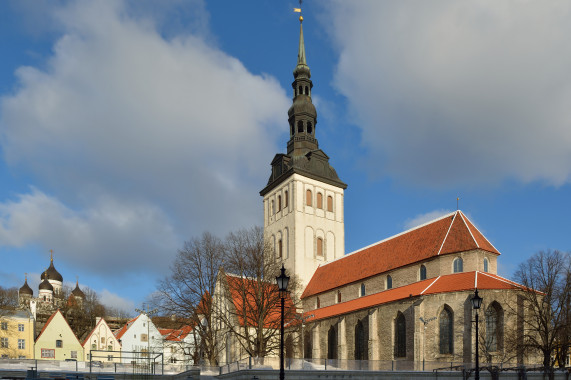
x=282, y=281
x=476, y=303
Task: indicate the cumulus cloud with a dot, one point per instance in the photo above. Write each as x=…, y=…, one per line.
x=454, y=93
x=424, y=218
x=136, y=141
x=113, y=300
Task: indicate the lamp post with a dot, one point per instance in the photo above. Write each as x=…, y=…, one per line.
x=282, y=281
x=476, y=303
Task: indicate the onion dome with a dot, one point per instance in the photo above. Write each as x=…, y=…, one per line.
x=52, y=272
x=26, y=290
x=77, y=292
x=45, y=285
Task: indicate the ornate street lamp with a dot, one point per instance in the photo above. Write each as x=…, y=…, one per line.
x=282, y=281
x=476, y=303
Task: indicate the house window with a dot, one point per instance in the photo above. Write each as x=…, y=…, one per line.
x=400, y=336
x=308, y=198
x=48, y=353
x=320, y=247
x=109, y=348
x=173, y=360
x=330, y=203
x=21, y=344
x=103, y=340
x=422, y=272
x=279, y=202
x=109, y=358
x=280, y=248
x=389, y=282
x=73, y=354
x=172, y=349
x=144, y=338
x=3, y=342
x=59, y=343
x=4, y=325
x=362, y=289
x=319, y=200
x=446, y=329
x=339, y=296
x=485, y=264
x=93, y=346
x=286, y=199
x=20, y=327
x=458, y=265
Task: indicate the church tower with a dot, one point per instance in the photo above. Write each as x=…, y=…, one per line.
x=303, y=199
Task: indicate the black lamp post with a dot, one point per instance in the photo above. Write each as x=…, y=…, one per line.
x=282, y=281
x=476, y=303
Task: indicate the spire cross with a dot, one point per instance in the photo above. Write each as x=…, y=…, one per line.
x=52, y=255
x=26, y=276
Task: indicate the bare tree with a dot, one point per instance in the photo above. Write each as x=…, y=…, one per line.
x=253, y=311
x=546, y=314
x=8, y=298
x=187, y=291
x=81, y=313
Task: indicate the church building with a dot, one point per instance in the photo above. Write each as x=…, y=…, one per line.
x=403, y=300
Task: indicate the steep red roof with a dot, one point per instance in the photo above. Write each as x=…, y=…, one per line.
x=176, y=335
x=119, y=333
x=242, y=292
x=448, y=234
x=443, y=284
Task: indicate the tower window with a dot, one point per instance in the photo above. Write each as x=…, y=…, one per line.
x=273, y=209
x=485, y=264
x=300, y=126
x=339, y=296
x=362, y=289
x=286, y=199
x=292, y=129
x=309, y=129
x=280, y=249
x=458, y=265
x=330, y=203
x=300, y=90
x=306, y=90
x=279, y=202
x=389, y=282
x=320, y=247
x=308, y=197
x=319, y=200
x=422, y=272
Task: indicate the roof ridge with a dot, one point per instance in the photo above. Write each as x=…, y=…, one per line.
x=469, y=230
x=447, y=232
x=502, y=279
x=390, y=238
x=483, y=236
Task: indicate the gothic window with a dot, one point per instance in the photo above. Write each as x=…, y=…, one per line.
x=300, y=126
x=485, y=264
x=446, y=329
x=332, y=343
x=286, y=199
x=400, y=336
x=273, y=209
x=362, y=289
x=330, y=203
x=318, y=303
x=339, y=296
x=389, y=282
x=319, y=200
x=308, y=197
x=279, y=202
x=361, y=341
x=307, y=343
x=458, y=265
x=422, y=272
x=320, y=247
x=493, y=327
x=309, y=129
x=280, y=249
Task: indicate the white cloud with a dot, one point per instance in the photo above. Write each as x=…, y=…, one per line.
x=451, y=93
x=424, y=218
x=139, y=140
x=113, y=300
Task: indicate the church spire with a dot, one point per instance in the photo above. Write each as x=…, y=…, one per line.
x=301, y=53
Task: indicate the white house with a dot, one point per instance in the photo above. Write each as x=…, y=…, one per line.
x=179, y=345
x=101, y=338
x=139, y=337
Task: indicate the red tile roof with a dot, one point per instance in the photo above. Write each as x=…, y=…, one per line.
x=176, y=335
x=443, y=284
x=449, y=234
x=252, y=308
x=119, y=333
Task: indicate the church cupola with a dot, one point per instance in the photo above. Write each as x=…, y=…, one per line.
x=53, y=276
x=302, y=115
x=25, y=291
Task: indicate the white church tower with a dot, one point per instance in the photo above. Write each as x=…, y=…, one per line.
x=303, y=200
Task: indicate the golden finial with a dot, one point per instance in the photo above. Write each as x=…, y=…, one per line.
x=457, y=200
x=25, y=276
x=51, y=255
x=298, y=10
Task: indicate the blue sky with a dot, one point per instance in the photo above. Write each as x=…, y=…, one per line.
x=129, y=127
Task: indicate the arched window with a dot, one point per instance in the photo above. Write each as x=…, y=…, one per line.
x=306, y=90
x=389, y=282
x=280, y=249
x=300, y=90
x=318, y=303
x=339, y=296
x=494, y=323
x=458, y=265
x=319, y=200
x=308, y=346
x=446, y=329
x=308, y=198
x=286, y=199
x=292, y=129
x=309, y=129
x=361, y=341
x=400, y=336
x=362, y=289
x=422, y=272
x=485, y=264
x=330, y=203
x=320, y=247
x=273, y=208
x=332, y=343
x=279, y=202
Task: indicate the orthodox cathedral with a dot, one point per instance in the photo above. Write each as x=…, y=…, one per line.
x=405, y=299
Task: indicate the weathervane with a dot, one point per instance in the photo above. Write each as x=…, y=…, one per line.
x=298, y=10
